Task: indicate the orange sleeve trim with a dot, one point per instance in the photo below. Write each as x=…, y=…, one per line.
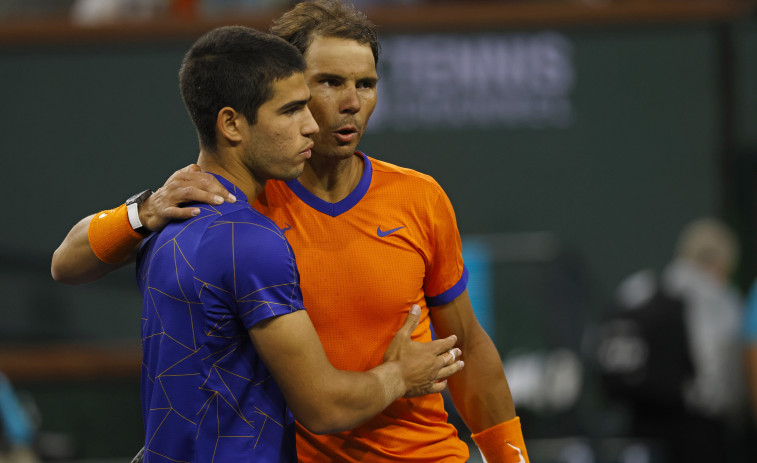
x=110, y=235
x=502, y=443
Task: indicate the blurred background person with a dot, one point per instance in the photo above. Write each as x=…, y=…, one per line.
x=672, y=353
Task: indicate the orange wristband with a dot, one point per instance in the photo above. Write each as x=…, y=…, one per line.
x=502, y=443
x=111, y=236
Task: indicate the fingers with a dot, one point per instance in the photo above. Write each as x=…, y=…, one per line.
x=202, y=194
x=441, y=345
x=446, y=365
x=438, y=387
x=178, y=213
x=190, y=168
x=428, y=388
x=451, y=355
x=449, y=363
x=412, y=320
x=449, y=370
x=191, y=184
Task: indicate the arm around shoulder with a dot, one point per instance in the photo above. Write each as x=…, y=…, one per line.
x=74, y=262
x=104, y=242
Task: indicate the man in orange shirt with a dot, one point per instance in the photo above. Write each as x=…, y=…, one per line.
x=369, y=237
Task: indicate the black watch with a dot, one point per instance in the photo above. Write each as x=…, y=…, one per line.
x=132, y=209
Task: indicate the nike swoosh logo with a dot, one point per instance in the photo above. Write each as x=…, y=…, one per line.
x=284, y=230
x=520, y=454
x=382, y=234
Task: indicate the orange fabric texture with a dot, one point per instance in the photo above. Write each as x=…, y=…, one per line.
x=503, y=443
x=362, y=266
x=111, y=236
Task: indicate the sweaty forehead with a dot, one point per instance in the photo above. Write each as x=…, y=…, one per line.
x=338, y=56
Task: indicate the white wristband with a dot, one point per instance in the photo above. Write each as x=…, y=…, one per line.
x=133, y=211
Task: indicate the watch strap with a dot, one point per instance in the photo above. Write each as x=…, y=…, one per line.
x=132, y=210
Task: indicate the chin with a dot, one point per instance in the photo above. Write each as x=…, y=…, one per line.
x=332, y=150
x=341, y=152
x=293, y=174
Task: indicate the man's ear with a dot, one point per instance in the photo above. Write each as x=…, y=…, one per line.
x=230, y=125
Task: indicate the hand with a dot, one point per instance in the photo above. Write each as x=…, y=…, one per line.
x=189, y=184
x=424, y=365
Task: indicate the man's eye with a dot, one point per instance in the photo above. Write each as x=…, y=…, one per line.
x=330, y=82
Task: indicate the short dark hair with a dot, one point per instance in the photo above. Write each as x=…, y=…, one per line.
x=326, y=18
x=233, y=66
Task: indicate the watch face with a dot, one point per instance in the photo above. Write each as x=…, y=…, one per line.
x=139, y=198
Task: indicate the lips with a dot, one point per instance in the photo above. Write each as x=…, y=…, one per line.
x=345, y=134
x=307, y=151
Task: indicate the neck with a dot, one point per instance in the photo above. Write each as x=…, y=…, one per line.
x=332, y=179
x=229, y=168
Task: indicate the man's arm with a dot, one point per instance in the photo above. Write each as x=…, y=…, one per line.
x=480, y=392
x=74, y=262
x=327, y=400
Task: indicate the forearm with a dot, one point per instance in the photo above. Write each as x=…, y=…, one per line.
x=480, y=391
x=348, y=398
x=75, y=263
x=482, y=397
x=325, y=399
x=321, y=397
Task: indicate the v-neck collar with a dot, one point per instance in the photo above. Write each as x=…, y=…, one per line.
x=338, y=208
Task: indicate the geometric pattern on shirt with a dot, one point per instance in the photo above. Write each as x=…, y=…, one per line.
x=236, y=425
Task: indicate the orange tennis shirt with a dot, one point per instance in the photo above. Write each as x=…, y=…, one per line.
x=364, y=261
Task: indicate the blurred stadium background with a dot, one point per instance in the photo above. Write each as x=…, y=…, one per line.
x=574, y=138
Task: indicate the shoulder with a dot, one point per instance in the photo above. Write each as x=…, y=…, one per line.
x=388, y=173
x=244, y=231
x=274, y=194
x=241, y=214
x=245, y=222
x=384, y=168
x=241, y=240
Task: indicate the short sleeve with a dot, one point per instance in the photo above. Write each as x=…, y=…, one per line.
x=446, y=275
x=249, y=268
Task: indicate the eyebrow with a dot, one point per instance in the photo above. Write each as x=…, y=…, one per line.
x=294, y=104
x=328, y=75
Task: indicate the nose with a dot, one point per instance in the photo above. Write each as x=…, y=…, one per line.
x=309, y=125
x=350, y=102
